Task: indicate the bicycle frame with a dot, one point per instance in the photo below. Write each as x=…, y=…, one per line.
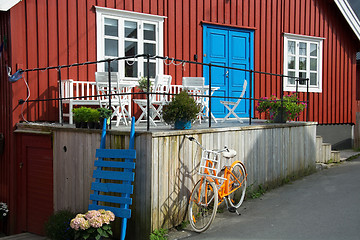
x=217, y=183
x=210, y=171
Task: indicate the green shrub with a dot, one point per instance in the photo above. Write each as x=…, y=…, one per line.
x=104, y=112
x=58, y=226
x=81, y=114
x=94, y=115
x=182, y=107
x=160, y=234
x=143, y=84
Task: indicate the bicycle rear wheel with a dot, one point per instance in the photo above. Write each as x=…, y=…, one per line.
x=237, y=182
x=203, y=205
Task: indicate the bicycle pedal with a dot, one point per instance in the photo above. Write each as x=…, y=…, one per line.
x=232, y=209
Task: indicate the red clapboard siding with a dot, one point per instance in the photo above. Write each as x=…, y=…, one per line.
x=5, y=126
x=71, y=37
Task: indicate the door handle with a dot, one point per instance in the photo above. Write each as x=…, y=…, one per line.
x=227, y=74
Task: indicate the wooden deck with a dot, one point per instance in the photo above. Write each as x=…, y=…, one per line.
x=166, y=163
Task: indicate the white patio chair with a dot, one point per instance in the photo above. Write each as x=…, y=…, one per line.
x=121, y=104
x=196, y=86
x=231, y=106
x=157, y=99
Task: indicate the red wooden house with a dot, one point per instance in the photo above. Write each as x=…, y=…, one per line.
x=315, y=39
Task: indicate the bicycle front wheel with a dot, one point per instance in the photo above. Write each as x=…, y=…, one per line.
x=203, y=204
x=237, y=185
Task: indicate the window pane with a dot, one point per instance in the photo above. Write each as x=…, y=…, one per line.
x=130, y=69
x=302, y=48
x=114, y=66
x=150, y=48
x=302, y=75
x=291, y=62
x=111, y=47
x=152, y=69
x=302, y=63
x=149, y=31
x=130, y=48
x=130, y=29
x=291, y=80
x=291, y=47
x=313, y=50
x=111, y=27
x=313, y=64
x=313, y=79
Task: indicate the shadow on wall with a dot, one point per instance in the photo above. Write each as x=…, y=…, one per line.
x=271, y=155
x=339, y=136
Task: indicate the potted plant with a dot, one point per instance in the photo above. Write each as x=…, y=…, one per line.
x=81, y=116
x=93, y=119
x=143, y=84
x=290, y=107
x=94, y=224
x=181, y=111
x=104, y=114
x=57, y=226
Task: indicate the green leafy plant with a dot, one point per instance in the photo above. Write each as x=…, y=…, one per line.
x=183, y=107
x=104, y=112
x=182, y=225
x=93, y=224
x=57, y=227
x=289, y=107
x=159, y=234
x=258, y=192
x=94, y=115
x=143, y=84
x=81, y=114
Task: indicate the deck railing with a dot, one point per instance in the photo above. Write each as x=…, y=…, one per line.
x=88, y=92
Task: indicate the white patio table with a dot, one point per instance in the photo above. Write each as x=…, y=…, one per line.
x=203, y=101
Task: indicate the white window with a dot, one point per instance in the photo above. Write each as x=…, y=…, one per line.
x=302, y=59
x=123, y=33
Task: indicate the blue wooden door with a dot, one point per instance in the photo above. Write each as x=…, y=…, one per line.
x=233, y=48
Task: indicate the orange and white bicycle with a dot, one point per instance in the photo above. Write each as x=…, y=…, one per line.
x=218, y=183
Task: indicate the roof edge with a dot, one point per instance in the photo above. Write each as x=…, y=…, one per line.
x=6, y=5
x=349, y=15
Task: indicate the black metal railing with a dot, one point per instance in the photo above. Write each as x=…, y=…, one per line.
x=149, y=93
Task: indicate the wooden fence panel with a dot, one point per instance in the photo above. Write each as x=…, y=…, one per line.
x=167, y=165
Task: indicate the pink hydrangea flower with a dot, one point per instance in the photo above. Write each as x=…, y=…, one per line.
x=79, y=222
x=96, y=222
x=111, y=215
x=93, y=213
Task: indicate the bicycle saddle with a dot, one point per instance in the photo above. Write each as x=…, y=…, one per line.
x=229, y=154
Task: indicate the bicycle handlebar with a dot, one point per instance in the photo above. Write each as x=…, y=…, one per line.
x=192, y=139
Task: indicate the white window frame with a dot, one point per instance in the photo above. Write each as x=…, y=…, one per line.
x=307, y=39
x=140, y=18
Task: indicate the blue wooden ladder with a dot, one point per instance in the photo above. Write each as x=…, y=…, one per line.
x=103, y=190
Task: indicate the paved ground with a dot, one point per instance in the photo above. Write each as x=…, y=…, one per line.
x=325, y=205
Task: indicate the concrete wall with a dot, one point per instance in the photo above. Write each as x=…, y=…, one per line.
x=339, y=136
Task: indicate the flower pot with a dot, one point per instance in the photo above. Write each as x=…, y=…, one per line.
x=91, y=125
x=84, y=125
x=78, y=124
x=276, y=117
x=180, y=124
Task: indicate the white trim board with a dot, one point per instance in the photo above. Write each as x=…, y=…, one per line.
x=349, y=16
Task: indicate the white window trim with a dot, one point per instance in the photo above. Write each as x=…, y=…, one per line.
x=102, y=12
x=317, y=40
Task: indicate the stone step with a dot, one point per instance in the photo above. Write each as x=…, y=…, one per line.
x=319, y=142
x=335, y=156
x=326, y=152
